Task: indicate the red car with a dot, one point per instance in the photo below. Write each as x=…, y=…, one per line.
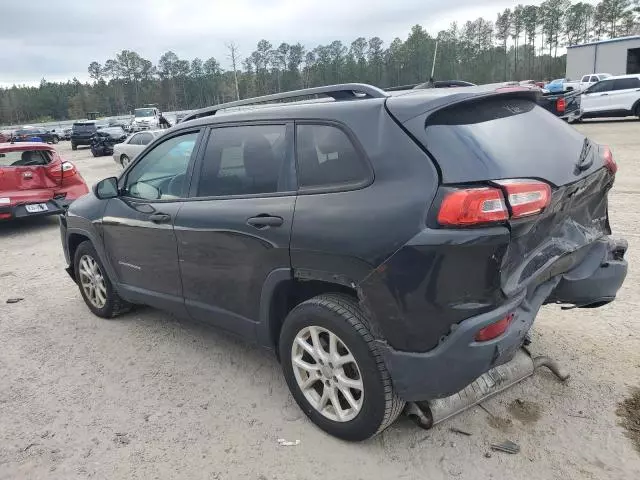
x=36, y=181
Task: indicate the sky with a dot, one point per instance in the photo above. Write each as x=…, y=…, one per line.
x=57, y=40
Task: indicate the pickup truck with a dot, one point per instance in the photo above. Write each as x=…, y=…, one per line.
x=565, y=105
x=585, y=82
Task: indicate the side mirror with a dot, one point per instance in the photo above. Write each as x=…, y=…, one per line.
x=107, y=188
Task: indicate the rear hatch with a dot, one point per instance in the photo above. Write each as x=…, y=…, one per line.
x=83, y=129
x=26, y=182
x=476, y=141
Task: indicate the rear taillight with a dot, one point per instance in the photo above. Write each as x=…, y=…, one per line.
x=68, y=169
x=561, y=105
x=472, y=206
x=5, y=216
x=609, y=162
x=526, y=197
x=477, y=206
x=494, y=330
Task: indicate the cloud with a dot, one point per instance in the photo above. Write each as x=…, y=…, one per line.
x=57, y=40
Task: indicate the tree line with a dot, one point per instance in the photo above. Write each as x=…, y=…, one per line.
x=522, y=43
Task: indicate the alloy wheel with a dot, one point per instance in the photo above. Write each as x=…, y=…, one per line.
x=327, y=374
x=92, y=281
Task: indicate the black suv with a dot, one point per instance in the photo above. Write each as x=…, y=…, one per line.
x=82, y=132
x=390, y=247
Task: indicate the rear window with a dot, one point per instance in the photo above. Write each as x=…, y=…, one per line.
x=84, y=127
x=501, y=138
x=24, y=158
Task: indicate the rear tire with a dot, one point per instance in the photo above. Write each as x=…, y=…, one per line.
x=74, y=146
x=95, y=287
x=55, y=140
x=361, y=386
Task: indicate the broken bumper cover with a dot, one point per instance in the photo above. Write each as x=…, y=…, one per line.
x=459, y=359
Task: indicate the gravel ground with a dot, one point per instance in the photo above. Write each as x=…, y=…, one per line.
x=151, y=396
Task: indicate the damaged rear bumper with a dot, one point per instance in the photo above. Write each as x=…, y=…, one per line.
x=459, y=359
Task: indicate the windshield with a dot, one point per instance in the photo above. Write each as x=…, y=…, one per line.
x=144, y=112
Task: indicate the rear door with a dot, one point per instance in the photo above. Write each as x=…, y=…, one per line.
x=235, y=229
x=624, y=93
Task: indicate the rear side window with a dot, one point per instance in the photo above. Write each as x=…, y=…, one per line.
x=327, y=157
x=626, y=83
x=585, y=78
x=245, y=160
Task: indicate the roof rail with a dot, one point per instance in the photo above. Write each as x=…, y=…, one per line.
x=344, y=91
x=399, y=88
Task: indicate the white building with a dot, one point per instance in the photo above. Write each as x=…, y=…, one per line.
x=618, y=56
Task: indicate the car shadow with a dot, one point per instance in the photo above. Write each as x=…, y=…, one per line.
x=27, y=225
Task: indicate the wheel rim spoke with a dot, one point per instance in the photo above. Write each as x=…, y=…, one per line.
x=347, y=382
x=92, y=281
x=335, y=403
x=327, y=374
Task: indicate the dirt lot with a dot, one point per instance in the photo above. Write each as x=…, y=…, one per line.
x=150, y=396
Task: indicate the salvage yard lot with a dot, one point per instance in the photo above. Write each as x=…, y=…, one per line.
x=151, y=396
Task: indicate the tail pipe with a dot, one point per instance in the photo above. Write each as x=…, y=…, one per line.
x=429, y=413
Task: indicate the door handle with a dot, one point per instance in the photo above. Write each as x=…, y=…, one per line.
x=160, y=217
x=604, y=95
x=264, y=221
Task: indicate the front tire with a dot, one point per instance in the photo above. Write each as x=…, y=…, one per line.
x=334, y=369
x=55, y=140
x=125, y=161
x=74, y=146
x=95, y=287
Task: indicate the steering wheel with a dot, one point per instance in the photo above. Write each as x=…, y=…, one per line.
x=176, y=185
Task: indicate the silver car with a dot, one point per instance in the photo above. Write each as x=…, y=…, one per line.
x=125, y=152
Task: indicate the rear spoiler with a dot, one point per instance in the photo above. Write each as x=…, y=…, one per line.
x=409, y=106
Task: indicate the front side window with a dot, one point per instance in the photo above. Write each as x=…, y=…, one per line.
x=144, y=138
x=327, y=157
x=244, y=160
x=585, y=78
x=603, y=86
x=161, y=174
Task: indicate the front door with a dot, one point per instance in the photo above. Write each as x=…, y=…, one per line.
x=235, y=229
x=138, y=224
x=596, y=98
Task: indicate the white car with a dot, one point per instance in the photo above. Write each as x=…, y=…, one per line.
x=125, y=152
x=613, y=97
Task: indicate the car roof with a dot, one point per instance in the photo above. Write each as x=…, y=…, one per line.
x=633, y=75
x=22, y=146
x=407, y=104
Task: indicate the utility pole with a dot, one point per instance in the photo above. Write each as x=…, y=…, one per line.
x=233, y=55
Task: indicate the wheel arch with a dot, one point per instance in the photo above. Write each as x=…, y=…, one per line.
x=283, y=290
x=635, y=109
